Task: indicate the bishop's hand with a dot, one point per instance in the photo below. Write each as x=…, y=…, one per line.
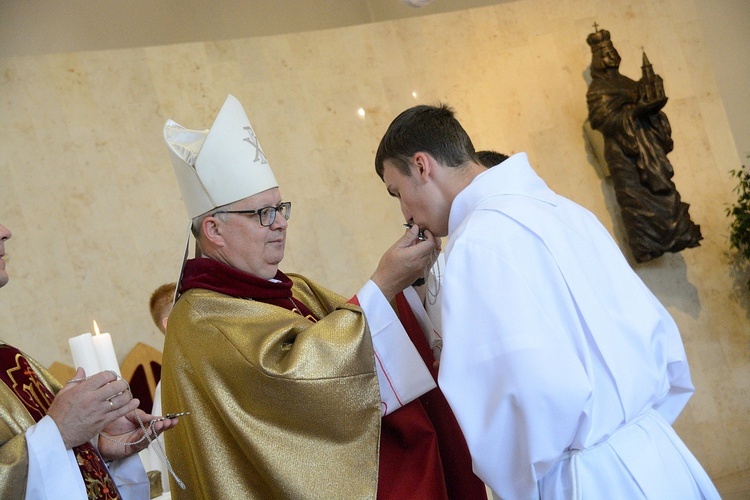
x=407, y=260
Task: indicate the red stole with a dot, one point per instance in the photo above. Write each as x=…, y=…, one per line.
x=410, y=465
x=20, y=378
x=460, y=480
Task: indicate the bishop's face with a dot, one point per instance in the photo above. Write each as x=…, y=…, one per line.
x=248, y=246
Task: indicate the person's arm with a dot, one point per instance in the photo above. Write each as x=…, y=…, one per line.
x=52, y=468
x=681, y=387
x=25, y=456
x=402, y=375
x=81, y=410
x=38, y=460
x=123, y=460
x=506, y=369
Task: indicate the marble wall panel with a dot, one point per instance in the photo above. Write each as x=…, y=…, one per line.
x=87, y=187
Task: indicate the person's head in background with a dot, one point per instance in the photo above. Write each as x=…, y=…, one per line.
x=5, y=234
x=160, y=305
x=489, y=158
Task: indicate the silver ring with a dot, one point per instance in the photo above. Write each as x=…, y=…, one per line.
x=111, y=405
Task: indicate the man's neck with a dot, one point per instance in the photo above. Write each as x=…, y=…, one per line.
x=460, y=177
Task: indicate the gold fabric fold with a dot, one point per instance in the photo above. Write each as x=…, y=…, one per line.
x=282, y=407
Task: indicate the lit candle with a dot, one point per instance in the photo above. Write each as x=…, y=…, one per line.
x=105, y=351
x=84, y=354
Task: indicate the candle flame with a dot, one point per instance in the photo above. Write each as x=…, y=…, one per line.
x=96, y=328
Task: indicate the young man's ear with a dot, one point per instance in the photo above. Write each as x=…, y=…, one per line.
x=422, y=163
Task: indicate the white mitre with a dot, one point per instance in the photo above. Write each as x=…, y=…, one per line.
x=221, y=165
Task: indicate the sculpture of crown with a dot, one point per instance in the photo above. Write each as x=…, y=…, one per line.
x=598, y=38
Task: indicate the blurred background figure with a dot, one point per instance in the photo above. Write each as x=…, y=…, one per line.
x=160, y=305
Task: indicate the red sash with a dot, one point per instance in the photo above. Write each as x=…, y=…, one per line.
x=460, y=480
x=18, y=375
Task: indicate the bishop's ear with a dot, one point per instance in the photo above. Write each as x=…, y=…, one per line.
x=211, y=226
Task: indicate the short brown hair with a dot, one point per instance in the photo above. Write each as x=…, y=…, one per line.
x=161, y=303
x=489, y=158
x=430, y=129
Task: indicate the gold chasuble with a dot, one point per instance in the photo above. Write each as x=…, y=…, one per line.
x=282, y=406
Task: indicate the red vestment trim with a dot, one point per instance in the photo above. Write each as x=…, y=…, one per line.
x=410, y=465
x=454, y=452
x=210, y=274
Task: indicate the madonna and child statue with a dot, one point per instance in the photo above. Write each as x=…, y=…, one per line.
x=637, y=139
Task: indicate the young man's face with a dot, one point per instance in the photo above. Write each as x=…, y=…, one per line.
x=419, y=198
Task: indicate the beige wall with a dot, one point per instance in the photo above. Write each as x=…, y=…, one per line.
x=88, y=190
x=726, y=26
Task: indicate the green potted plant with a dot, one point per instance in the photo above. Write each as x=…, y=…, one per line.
x=739, y=214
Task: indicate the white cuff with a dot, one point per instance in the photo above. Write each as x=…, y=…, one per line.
x=52, y=468
x=402, y=375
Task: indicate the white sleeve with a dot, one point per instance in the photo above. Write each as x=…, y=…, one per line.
x=678, y=372
x=52, y=468
x=402, y=375
x=130, y=478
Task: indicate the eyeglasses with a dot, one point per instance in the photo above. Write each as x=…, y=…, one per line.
x=266, y=215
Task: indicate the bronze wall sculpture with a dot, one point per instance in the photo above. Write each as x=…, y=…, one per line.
x=637, y=139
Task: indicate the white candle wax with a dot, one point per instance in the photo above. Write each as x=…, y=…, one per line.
x=105, y=352
x=84, y=354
